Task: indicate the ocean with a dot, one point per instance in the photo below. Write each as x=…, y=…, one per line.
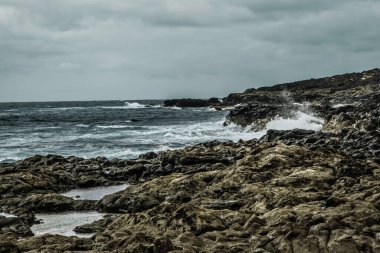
x=116, y=129
x=121, y=129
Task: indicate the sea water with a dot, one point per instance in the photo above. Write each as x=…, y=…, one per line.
x=120, y=129
x=117, y=129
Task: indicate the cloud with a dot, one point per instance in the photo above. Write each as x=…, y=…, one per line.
x=116, y=49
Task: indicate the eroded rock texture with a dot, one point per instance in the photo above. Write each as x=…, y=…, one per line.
x=290, y=191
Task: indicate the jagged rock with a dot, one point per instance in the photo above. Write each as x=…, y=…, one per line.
x=290, y=191
x=189, y=102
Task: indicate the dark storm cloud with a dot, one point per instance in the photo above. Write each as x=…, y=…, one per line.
x=98, y=49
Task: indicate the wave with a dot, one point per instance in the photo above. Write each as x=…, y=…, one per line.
x=134, y=105
x=52, y=109
x=155, y=106
x=82, y=125
x=116, y=137
x=128, y=105
x=113, y=126
x=301, y=121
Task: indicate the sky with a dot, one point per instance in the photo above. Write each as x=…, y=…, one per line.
x=141, y=49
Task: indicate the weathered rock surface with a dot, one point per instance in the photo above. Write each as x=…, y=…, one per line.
x=344, y=101
x=290, y=191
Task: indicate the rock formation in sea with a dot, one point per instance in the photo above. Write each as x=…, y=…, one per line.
x=290, y=191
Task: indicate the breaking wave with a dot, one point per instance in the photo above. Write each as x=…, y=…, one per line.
x=124, y=133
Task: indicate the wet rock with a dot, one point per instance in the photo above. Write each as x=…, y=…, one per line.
x=148, y=156
x=8, y=244
x=162, y=245
x=258, y=115
x=188, y=102
x=290, y=191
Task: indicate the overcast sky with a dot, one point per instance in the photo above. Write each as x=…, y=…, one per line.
x=136, y=49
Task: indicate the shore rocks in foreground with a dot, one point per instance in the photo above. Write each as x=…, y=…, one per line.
x=290, y=191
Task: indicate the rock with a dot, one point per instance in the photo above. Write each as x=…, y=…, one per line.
x=188, y=102
x=290, y=191
x=8, y=244
x=162, y=245
x=148, y=156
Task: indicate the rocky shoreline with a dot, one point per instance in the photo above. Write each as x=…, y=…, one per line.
x=290, y=191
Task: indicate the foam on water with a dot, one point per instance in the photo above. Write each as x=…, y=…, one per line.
x=134, y=105
x=175, y=108
x=301, y=121
x=64, y=223
x=101, y=131
x=129, y=105
x=113, y=126
x=82, y=125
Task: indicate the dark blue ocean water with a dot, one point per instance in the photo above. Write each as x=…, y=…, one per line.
x=123, y=129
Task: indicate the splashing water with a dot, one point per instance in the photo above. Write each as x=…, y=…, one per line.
x=302, y=120
x=104, y=128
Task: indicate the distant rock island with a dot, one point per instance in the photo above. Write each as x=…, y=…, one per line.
x=290, y=191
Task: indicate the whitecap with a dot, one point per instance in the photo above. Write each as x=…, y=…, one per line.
x=156, y=106
x=113, y=126
x=301, y=121
x=82, y=125
x=134, y=105
x=48, y=127
x=128, y=105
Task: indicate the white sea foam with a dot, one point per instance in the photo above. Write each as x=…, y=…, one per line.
x=64, y=223
x=48, y=127
x=134, y=105
x=301, y=121
x=82, y=125
x=52, y=109
x=204, y=109
x=126, y=140
x=113, y=126
x=127, y=105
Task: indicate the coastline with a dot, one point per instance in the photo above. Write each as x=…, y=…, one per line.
x=290, y=191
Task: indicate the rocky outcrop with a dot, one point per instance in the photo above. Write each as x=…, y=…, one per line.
x=259, y=115
x=190, y=102
x=340, y=88
x=351, y=103
x=290, y=191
